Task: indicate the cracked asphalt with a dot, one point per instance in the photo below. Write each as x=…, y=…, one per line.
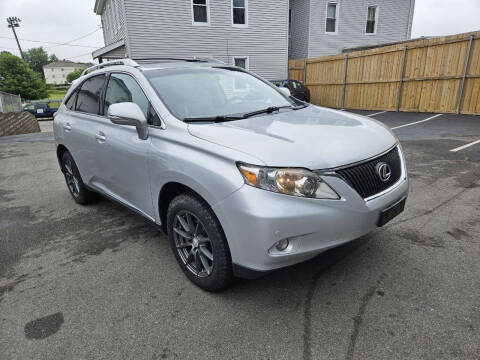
x=100, y=282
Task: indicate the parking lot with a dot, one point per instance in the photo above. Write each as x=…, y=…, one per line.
x=100, y=282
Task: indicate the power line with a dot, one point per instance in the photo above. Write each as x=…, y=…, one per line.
x=50, y=42
x=77, y=56
x=79, y=38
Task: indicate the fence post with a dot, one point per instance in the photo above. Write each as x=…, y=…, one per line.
x=344, y=81
x=402, y=73
x=467, y=60
x=305, y=72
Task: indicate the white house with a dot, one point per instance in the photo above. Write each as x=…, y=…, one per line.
x=56, y=72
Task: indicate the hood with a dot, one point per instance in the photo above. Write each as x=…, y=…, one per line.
x=313, y=138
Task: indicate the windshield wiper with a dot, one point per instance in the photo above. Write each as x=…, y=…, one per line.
x=215, y=119
x=225, y=118
x=268, y=110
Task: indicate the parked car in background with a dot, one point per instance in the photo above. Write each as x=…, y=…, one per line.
x=243, y=178
x=297, y=89
x=40, y=110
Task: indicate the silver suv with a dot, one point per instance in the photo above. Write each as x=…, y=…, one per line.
x=242, y=177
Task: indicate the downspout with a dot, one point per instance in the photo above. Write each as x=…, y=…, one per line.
x=410, y=19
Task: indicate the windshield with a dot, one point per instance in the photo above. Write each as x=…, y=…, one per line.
x=212, y=92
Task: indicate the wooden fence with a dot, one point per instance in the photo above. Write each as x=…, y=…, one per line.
x=429, y=75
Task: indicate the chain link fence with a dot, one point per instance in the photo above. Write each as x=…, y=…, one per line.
x=10, y=103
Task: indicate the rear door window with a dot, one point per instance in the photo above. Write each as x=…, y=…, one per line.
x=89, y=95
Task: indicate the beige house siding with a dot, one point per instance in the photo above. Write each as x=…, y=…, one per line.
x=58, y=75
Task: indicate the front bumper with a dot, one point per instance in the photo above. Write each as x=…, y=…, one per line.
x=254, y=220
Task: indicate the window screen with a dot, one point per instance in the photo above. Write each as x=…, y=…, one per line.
x=241, y=62
x=239, y=12
x=88, y=98
x=200, y=13
x=371, y=16
x=331, y=17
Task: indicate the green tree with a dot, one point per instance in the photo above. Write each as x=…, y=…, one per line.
x=52, y=58
x=16, y=77
x=74, y=75
x=36, y=58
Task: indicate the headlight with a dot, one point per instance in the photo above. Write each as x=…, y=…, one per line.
x=289, y=181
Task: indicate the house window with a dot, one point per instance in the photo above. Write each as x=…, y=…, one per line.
x=200, y=12
x=239, y=12
x=372, y=14
x=241, y=62
x=332, y=17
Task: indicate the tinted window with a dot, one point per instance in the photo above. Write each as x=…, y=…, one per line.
x=88, y=98
x=70, y=103
x=124, y=88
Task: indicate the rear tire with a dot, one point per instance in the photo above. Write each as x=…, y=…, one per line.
x=199, y=243
x=75, y=185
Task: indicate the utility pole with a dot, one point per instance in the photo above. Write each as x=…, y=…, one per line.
x=14, y=22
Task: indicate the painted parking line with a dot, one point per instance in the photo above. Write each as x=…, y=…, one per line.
x=417, y=122
x=465, y=146
x=378, y=113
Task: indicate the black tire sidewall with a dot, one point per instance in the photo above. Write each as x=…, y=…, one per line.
x=84, y=195
x=221, y=275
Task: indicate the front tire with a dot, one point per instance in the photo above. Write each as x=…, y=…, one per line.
x=199, y=243
x=74, y=181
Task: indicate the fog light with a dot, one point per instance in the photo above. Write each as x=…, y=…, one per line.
x=282, y=244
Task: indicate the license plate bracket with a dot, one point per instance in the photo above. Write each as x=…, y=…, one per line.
x=391, y=212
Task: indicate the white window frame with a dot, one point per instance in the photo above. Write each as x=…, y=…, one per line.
x=337, y=17
x=376, y=20
x=246, y=16
x=247, y=61
x=195, y=23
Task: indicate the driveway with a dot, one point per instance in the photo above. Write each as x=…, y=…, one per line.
x=100, y=282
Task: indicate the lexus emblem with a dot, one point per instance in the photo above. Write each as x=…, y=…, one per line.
x=383, y=171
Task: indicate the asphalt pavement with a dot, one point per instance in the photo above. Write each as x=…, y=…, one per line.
x=99, y=282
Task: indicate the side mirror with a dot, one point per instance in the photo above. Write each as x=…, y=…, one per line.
x=285, y=90
x=128, y=113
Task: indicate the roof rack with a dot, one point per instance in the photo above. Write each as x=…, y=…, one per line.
x=126, y=62
x=194, y=59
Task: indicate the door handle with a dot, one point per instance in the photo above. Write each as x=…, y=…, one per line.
x=67, y=126
x=101, y=137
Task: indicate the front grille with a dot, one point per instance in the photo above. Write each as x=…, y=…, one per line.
x=364, y=177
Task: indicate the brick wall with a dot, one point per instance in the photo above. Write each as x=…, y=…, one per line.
x=18, y=123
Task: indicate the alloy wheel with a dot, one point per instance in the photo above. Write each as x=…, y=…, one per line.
x=193, y=243
x=72, y=181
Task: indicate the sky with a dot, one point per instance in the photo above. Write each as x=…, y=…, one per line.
x=60, y=21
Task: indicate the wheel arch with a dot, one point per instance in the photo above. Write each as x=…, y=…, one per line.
x=61, y=149
x=168, y=192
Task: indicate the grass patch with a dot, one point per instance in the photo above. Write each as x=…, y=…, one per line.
x=56, y=94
